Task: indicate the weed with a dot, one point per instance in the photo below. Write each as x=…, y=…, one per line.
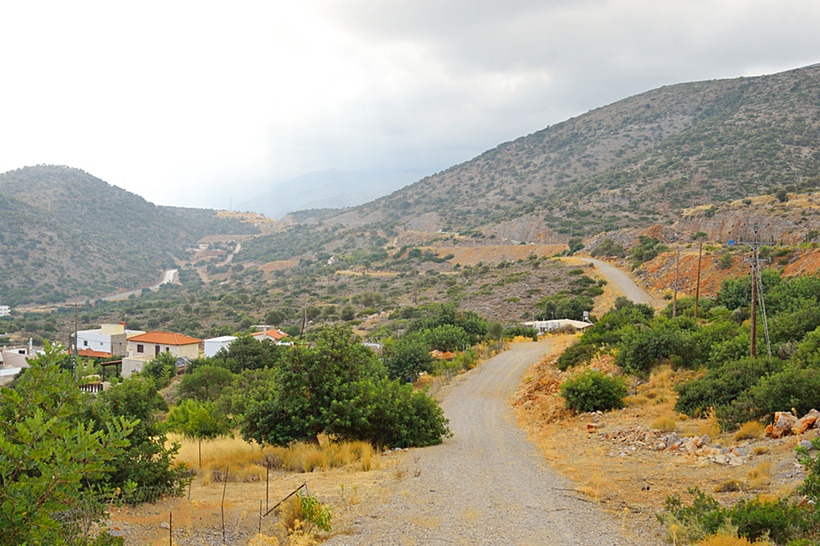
x=750, y=430
x=729, y=486
x=759, y=476
x=665, y=424
x=760, y=450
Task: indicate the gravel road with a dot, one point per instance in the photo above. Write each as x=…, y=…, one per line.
x=620, y=279
x=487, y=484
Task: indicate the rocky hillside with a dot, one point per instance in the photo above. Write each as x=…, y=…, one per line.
x=639, y=161
x=65, y=234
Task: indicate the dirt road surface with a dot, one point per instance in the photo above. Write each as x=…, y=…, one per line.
x=487, y=484
x=620, y=279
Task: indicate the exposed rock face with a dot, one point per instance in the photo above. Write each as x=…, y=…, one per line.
x=806, y=422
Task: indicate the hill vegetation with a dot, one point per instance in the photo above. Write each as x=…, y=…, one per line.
x=66, y=234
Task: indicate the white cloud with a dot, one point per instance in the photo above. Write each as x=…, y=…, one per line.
x=191, y=102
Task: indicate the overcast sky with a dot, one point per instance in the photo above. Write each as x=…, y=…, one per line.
x=196, y=103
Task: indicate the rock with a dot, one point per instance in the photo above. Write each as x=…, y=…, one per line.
x=592, y=427
x=164, y=525
x=783, y=423
x=660, y=446
x=703, y=440
x=806, y=422
x=806, y=444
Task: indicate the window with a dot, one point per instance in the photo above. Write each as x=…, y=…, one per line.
x=140, y=348
x=85, y=343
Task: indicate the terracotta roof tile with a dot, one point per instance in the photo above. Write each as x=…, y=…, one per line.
x=165, y=338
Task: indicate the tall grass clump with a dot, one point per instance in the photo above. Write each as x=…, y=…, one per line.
x=247, y=461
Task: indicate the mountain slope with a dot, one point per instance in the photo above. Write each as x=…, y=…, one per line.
x=65, y=233
x=635, y=162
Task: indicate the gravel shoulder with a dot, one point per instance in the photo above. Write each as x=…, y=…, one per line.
x=487, y=484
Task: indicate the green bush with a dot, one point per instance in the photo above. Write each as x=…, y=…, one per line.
x=794, y=387
x=593, y=391
x=780, y=521
x=720, y=386
x=576, y=354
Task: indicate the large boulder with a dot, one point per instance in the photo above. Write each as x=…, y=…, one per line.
x=806, y=422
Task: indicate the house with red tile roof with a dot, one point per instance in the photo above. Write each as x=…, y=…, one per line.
x=274, y=335
x=145, y=347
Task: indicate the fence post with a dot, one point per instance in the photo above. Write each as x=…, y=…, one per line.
x=222, y=506
x=171, y=529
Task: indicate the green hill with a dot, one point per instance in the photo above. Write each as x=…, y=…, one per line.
x=66, y=234
x=633, y=163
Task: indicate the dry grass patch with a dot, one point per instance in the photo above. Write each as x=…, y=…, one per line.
x=729, y=540
x=760, y=475
x=246, y=461
x=750, y=430
x=665, y=423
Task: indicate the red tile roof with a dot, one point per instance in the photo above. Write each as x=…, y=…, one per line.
x=91, y=353
x=164, y=338
x=275, y=334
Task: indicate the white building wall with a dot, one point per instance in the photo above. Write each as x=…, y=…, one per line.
x=213, y=345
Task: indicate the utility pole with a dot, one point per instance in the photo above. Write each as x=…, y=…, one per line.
x=74, y=352
x=757, y=290
x=675, y=293
x=697, y=283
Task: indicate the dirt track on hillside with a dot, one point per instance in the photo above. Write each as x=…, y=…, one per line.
x=487, y=484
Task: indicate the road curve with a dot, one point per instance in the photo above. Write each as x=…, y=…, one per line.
x=620, y=279
x=487, y=484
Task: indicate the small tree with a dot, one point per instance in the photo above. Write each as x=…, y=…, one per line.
x=48, y=452
x=198, y=421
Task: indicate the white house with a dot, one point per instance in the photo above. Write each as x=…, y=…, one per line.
x=546, y=326
x=108, y=338
x=5, y=311
x=145, y=347
x=214, y=344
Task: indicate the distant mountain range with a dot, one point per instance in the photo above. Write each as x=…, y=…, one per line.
x=66, y=234
x=635, y=163
x=327, y=189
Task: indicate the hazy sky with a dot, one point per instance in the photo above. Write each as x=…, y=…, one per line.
x=193, y=103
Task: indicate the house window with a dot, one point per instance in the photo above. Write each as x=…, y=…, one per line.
x=85, y=343
x=140, y=348
x=167, y=349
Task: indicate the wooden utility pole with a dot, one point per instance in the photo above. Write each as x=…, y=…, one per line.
x=754, y=261
x=675, y=293
x=76, y=349
x=697, y=283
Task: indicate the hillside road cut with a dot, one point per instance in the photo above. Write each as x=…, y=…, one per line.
x=487, y=484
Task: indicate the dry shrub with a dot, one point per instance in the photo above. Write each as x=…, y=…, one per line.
x=636, y=400
x=665, y=424
x=729, y=486
x=709, y=425
x=760, y=450
x=729, y=540
x=760, y=475
x=750, y=431
x=264, y=540
x=663, y=377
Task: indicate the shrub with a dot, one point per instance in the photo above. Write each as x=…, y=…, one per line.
x=593, y=391
x=794, y=387
x=780, y=520
x=749, y=430
x=720, y=386
x=576, y=354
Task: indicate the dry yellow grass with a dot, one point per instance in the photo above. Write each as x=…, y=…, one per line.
x=246, y=461
x=665, y=423
x=760, y=475
x=750, y=431
x=710, y=425
x=728, y=540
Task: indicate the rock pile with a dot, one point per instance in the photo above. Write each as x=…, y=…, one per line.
x=642, y=438
x=786, y=423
